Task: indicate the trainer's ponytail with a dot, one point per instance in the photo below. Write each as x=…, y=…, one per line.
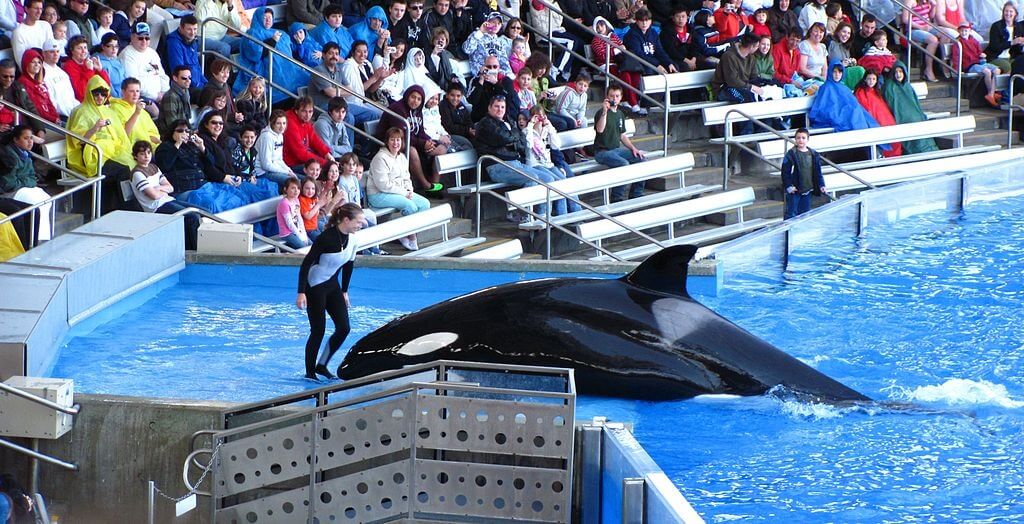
x=347, y=210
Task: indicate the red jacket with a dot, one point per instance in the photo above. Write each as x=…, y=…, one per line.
x=786, y=61
x=972, y=53
x=728, y=23
x=80, y=76
x=301, y=143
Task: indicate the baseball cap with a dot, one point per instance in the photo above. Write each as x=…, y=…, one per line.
x=50, y=44
x=492, y=15
x=141, y=28
x=965, y=24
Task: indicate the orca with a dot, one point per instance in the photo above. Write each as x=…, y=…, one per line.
x=640, y=336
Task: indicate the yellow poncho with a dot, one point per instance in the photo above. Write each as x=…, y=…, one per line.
x=144, y=128
x=10, y=244
x=111, y=139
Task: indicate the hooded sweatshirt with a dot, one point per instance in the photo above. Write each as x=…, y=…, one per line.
x=270, y=153
x=572, y=104
x=112, y=139
x=647, y=46
x=414, y=116
x=36, y=89
x=303, y=52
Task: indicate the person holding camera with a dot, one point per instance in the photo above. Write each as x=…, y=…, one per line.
x=487, y=84
x=485, y=42
x=612, y=146
x=97, y=122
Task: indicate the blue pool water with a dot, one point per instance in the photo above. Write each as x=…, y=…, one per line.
x=924, y=315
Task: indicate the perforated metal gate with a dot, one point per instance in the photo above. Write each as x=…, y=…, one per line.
x=441, y=451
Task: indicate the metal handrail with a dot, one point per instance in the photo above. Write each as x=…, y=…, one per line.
x=1010, y=106
x=96, y=197
x=215, y=218
x=545, y=218
x=73, y=410
x=71, y=466
x=608, y=42
x=728, y=141
x=270, y=76
x=911, y=42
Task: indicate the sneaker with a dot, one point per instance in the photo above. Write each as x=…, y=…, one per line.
x=409, y=243
x=639, y=111
x=991, y=99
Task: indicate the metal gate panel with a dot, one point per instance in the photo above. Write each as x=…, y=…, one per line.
x=375, y=494
x=492, y=492
x=263, y=459
x=347, y=436
x=494, y=426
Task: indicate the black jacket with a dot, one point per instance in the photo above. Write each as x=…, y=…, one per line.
x=999, y=40
x=499, y=138
x=456, y=120
x=480, y=95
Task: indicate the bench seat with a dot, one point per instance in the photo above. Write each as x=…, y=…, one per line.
x=632, y=204
x=396, y=228
x=508, y=250
x=700, y=237
x=893, y=174
x=447, y=247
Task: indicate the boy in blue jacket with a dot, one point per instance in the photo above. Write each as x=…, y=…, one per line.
x=801, y=175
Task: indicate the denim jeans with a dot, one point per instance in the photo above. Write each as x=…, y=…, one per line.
x=191, y=222
x=797, y=204
x=407, y=206
x=223, y=46
x=294, y=241
x=619, y=157
x=277, y=177
x=359, y=114
x=507, y=175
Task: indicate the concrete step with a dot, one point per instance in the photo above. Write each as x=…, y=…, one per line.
x=981, y=137
x=699, y=175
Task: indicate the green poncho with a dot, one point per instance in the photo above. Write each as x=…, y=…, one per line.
x=905, y=108
x=111, y=139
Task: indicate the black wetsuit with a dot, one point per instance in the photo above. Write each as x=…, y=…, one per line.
x=329, y=255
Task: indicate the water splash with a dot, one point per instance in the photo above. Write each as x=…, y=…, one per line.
x=960, y=392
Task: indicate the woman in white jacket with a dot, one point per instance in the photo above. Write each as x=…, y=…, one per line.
x=270, y=150
x=390, y=184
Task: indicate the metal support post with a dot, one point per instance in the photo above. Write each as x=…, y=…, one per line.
x=633, y=500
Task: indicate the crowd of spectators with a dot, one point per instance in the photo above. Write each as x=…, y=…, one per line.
x=225, y=135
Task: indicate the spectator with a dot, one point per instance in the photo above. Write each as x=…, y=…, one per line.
x=396, y=12
x=542, y=140
x=153, y=191
x=599, y=46
x=571, y=103
x=434, y=127
x=917, y=19
x=81, y=67
x=513, y=30
x=125, y=20
x=104, y=19
x=323, y=86
x=878, y=57
x=213, y=102
x=732, y=79
x=523, y=97
x=32, y=80
x=729, y=21
x=182, y=49
x=489, y=82
x=252, y=103
x=79, y=24
x=304, y=50
x=463, y=25
x=675, y=40
x=902, y=99
x=974, y=62
x=764, y=64
x=270, y=150
x=538, y=16
x=839, y=50
x=782, y=20
x=108, y=49
x=131, y=109
x=812, y=13
x=703, y=37
x=413, y=26
x=390, y=184
x=255, y=58
x=495, y=136
x=421, y=147
x=361, y=78
x=786, y=57
x=309, y=12
x=216, y=35
x=862, y=39
x=869, y=94
x=373, y=31
x=330, y=126
x=540, y=65
x=801, y=175
x=813, y=54
x=60, y=36
x=17, y=94
x=440, y=62
x=220, y=72
x=415, y=70
x=219, y=165
x=177, y=102
x=311, y=201
x=759, y=23
x=393, y=58
x=18, y=175
x=485, y=42
x=289, y=217
x=32, y=33
x=97, y=122
x=143, y=63
x=834, y=12
x=835, y=106
x=440, y=15
x=454, y=115
x=301, y=142
x=178, y=157
x=1005, y=38
x=244, y=153
x=58, y=83
x=517, y=59
x=330, y=29
x=643, y=42
x=612, y=147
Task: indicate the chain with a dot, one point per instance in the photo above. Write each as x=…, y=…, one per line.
x=195, y=488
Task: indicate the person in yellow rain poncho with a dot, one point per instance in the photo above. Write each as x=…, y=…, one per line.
x=131, y=110
x=96, y=121
x=10, y=244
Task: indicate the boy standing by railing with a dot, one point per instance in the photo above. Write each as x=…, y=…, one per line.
x=801, y=175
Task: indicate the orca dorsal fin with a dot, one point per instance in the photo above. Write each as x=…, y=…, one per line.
x=664, y=271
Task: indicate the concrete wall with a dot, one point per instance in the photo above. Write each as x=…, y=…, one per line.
x=119, y=443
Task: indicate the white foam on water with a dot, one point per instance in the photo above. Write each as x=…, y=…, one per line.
x=961, y=392
x=813, y=411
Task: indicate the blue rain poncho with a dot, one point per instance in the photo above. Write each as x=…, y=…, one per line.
x=362, y=31
x=835, y=106
x=256, y=58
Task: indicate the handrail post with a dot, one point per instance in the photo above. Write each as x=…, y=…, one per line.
x=1009, y=109
x=725, y=151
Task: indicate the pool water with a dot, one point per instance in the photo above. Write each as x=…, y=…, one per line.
x=923, y=316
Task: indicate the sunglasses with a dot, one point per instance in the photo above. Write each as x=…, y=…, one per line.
x=491, y=66
x=182, y=130
x=102, y=92
x=498, y=98
x=216, y=122
x=140, y=37
x=416, y=7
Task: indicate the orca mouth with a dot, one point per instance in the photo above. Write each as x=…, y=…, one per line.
x=427, y=343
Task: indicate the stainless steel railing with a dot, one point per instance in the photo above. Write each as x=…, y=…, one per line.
x=206, y=214
x=34, y=454
x=1010, y=107
x=545, y=218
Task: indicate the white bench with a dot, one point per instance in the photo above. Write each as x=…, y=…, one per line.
x=508, y=250
x=876, y=135
x=893, y=174
x=701, y=237
x=441, y=249
x=652, y=85
x=460, y=161
x=605, y=180
x=668, y=215
x=437, y=216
